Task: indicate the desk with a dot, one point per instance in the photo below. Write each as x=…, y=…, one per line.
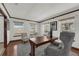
x=38, y=41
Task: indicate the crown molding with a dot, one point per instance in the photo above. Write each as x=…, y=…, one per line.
x=2, y=13
x=60, y=15
x=6, y=9
x=16, y=17
x=23, y=19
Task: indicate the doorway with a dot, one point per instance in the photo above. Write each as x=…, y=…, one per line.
x=3, y=32
x=1, y=35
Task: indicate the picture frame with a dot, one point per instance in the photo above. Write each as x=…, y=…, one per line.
x=53, y=25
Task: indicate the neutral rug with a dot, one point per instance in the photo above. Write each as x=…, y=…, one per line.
x=1, y=49
x=24, y=50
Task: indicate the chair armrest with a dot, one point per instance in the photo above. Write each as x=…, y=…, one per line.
x=59, y=45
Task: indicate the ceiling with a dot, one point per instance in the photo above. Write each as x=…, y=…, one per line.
x=37, y=11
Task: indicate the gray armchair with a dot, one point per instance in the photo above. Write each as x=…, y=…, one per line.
x=63, y=48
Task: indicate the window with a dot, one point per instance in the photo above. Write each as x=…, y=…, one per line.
x=18, y=24
x=67, y=24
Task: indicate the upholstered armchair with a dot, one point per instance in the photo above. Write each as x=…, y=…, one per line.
x=63, y=48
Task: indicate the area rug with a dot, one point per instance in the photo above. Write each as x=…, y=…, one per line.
x=1, y=49
x=24, y=50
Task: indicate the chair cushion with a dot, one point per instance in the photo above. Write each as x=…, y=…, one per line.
x=61, y=46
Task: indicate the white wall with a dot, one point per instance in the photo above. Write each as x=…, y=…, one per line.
x=1, y=29
x=39, y=25
x=76, y=26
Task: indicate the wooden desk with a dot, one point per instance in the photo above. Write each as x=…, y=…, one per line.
x=38, y=41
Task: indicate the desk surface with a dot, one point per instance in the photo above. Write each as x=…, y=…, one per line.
x=42, y=39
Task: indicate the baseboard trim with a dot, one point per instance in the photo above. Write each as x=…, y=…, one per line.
x=18, y=40
x=15, y=40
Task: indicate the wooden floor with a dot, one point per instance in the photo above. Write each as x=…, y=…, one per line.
x=12, y=49
x=75, y=50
